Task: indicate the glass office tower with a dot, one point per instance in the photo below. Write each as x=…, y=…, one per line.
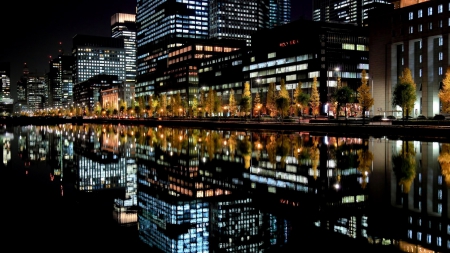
x=163, y=25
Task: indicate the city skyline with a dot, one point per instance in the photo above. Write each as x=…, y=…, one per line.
x=34, y=38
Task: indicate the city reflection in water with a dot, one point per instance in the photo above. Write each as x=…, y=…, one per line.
x=200, y=190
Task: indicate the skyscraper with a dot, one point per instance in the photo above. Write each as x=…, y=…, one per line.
x=163, y=25
x=123, y=26
x=347, y=11
x=60, y=80
x=95, y=55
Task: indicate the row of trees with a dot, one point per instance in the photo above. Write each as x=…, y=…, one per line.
x=278, y=103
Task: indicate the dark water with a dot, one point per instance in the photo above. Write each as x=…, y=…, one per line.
x=162, y=189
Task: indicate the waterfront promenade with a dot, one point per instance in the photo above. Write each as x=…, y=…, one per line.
x=398, y=129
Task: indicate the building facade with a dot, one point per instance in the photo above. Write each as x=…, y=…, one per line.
x=163, y=25
x=414, y=37
x=5, y=83
x=88, y=93
x=96, y=55
x=348, y=11
x=332, y=51
x=60, y=81
x=235, y=19
x=123, y=26
x=279, y=12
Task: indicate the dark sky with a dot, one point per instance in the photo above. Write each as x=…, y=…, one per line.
x=32, y=30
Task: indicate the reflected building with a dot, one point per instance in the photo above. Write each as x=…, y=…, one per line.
x=5, y=139
x=418, y=191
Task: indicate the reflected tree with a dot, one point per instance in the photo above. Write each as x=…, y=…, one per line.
x=314, y=154
x=245, y=148
x=444, y=162
x=271, y=149
x=404, y=165
x=365, y=158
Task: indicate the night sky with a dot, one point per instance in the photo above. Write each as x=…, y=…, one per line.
x=32, y=30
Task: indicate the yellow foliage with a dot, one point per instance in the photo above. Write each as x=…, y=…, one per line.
x=444, y=161
x=444, y=93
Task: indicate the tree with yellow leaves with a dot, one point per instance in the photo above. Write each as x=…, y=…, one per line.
x=365, y=99
x=405, y=93
x=444, y=93
x=404, y=166
x=314, y=100
x=444, y=162
x=365, y=158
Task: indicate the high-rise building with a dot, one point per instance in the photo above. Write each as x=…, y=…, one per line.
x=347, y=11
x=5, y=84
x=21, y=88
x=60, y=81
x=96, y=55
x=237, y=19
x=279, y=12
x=163, y=25
x=123, y=25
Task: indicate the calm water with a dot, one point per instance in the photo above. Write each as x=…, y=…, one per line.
x=161, y=189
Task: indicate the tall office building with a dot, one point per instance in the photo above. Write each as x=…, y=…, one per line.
x=60, y=80
x=237, y=19
x=36, y=92
x=5, y=84
x=347, y=11
x=96, y=55
x=279, y=12
x=163, y=25
x=123, y=26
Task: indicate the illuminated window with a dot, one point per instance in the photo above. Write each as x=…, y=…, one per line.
x=430, y=11
x=271, y=55
x=411, y=16
x=419, y=14
x=411, y=29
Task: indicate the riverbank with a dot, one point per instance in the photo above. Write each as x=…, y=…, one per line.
x=412, y=129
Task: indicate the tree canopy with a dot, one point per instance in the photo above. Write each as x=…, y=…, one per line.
x=365, y=99
x=404, y=94
x=314, y=101
x=444, y=93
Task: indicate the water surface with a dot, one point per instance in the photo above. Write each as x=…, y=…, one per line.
x=164, y=189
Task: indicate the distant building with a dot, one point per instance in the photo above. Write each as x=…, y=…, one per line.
x=5, y=83
x=279, y=12
x=36, y=92
x=414, y=37
x=60, y=81
x=345, y=11
x=96, y=55
x=88, y=93
x=21, y=103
